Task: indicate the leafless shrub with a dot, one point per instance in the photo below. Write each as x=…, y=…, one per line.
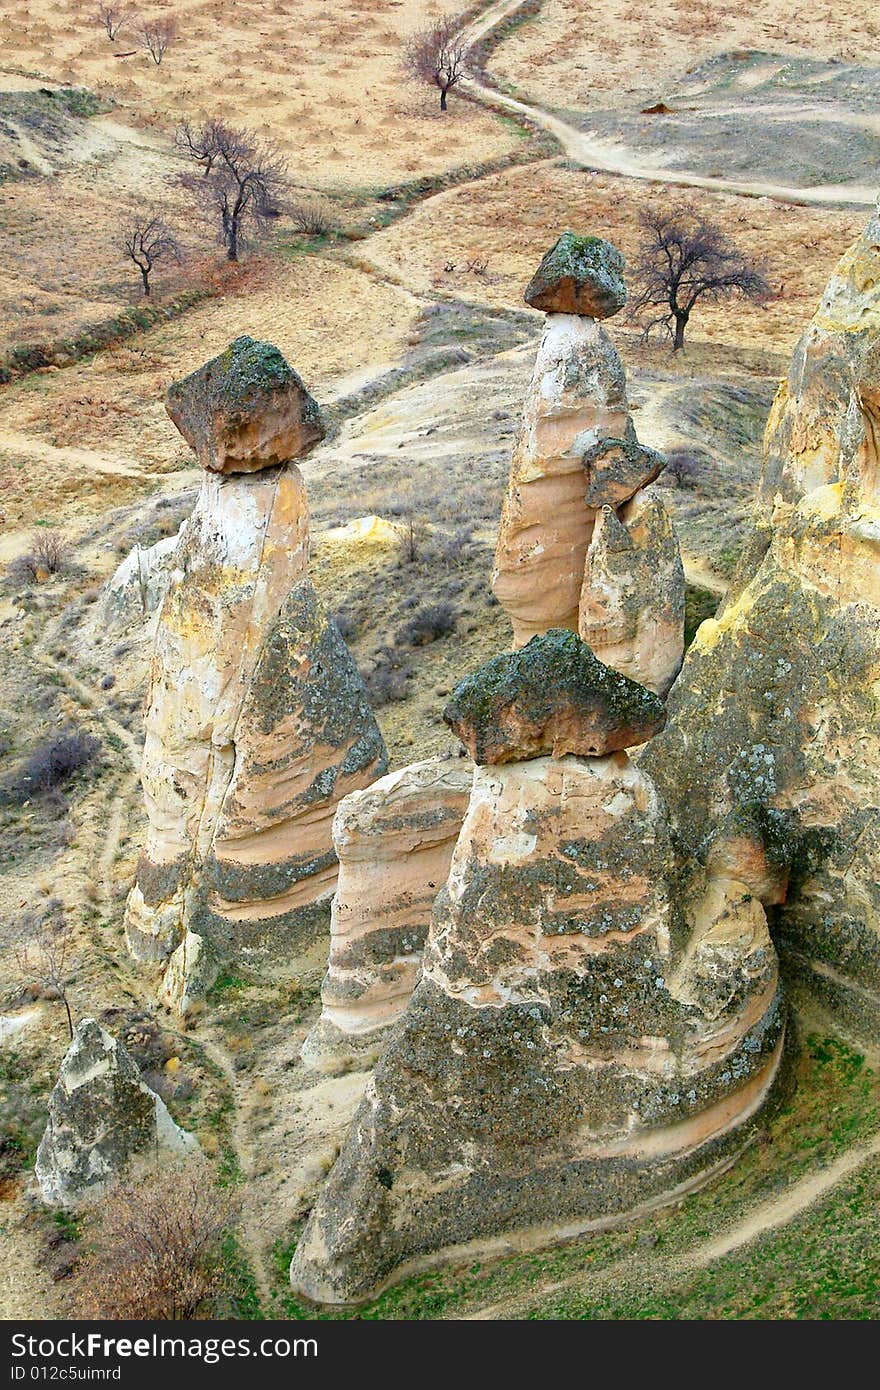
x=43, y=957
x=156, y=1249
x=435, y=55
x=53, y=761
x=312, y=219
x=48, y=554
x=683, y=468
x=389, y=679
x=146, y=238
x=155, y=35
x=429, y=623
x=477, y=265
x=241, y=181
x=112, y=17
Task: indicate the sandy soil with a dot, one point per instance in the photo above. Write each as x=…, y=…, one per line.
x=323, y=82
x=509, y=219
x=569, y=57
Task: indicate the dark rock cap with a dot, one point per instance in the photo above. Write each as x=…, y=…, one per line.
x=579, y=275
x=245, y=410
x=551, y=697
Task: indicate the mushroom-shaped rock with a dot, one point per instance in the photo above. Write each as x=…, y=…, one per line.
x=101, y=1115
x=551, y=696
x=576, y=1046
x=579, y=275
x=245, y=410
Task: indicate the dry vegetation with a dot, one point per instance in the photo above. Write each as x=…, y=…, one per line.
x=511, y=217
x=574, y=55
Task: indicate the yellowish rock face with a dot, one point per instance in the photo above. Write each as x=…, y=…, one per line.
x=257, y=725
x=631, y=609
x=777, y=704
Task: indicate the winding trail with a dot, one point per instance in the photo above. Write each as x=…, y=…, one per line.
x=762, y=1220
x=613, y=157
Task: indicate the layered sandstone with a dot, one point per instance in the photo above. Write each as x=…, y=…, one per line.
x=101, y=1116
x=394, y=843
x=576, y=456
x=769, y=760
x=581, y=1039
x=256, y=725
x=632, y=600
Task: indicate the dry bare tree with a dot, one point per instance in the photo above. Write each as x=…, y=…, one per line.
x=112, y=17
x=242, y=179
x=146, y=238
x=435, y=55
x=683, y=259
x=155, y=35
x=43, y=957
x=157, y=1247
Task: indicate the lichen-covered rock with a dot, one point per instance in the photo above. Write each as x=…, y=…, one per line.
x=579, y=275
x=576, y=401
x=776, y=705
x=245, y=410
x=577, y=1044
x=617, y=468
x=551, y=696
x=394, y=843
x=101, y=1115
x=632, y=601
x=257, y=724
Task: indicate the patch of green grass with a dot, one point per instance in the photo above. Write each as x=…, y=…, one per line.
x=243, y=1292
x=831, y=1101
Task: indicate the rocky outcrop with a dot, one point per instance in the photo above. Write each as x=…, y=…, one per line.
x=552, y=696
x=137, y=587
x=632, y=600
x=394, y=842
x=577, y=454
x=769, y=759
x=582, y=1039
x=257, y=724
x=101, y=1116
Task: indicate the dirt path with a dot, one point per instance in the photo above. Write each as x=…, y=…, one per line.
x=614, y=157
x=769, y=1216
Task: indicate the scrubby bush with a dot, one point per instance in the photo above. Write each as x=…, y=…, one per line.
x=683, y=467
x=48, y=554
x=429, y=623
x=53, y=762
x=387, y=682
x=312, y=219
x=157, y=1250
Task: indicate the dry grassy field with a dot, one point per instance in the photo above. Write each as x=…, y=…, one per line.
x=629, y=52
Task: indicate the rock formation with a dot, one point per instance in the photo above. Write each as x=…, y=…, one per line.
x=136, y=589
x=577, y=454
x=101, y=1115
x=769, y=760
x=581, y=1040
x=394, y=842
x=257, y=722
x=632, y=600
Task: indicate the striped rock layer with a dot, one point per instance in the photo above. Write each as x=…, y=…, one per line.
x=577, y=453
x=394, y=843
x=579, y=1043
x=257, y=724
